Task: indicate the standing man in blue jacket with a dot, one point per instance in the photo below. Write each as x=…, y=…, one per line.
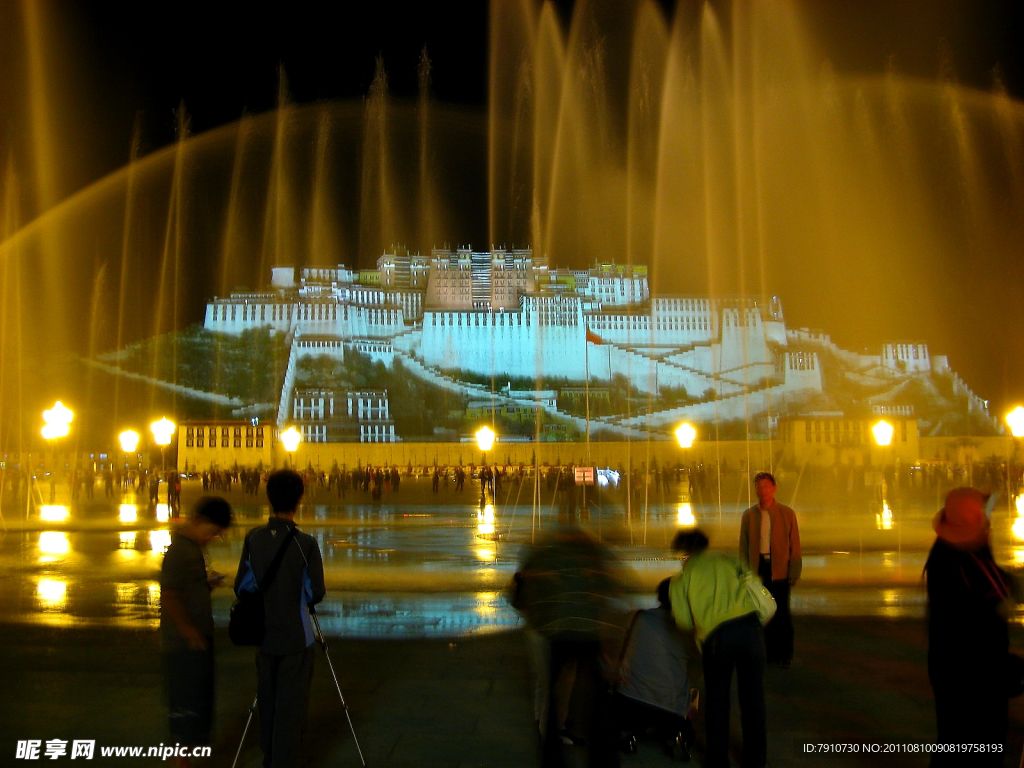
x=284, y=663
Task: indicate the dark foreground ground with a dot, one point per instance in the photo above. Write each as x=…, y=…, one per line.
x=458, y=703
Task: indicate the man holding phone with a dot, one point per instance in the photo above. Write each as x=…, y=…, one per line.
x=186, y=622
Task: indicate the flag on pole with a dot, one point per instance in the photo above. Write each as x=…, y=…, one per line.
x=593, y=338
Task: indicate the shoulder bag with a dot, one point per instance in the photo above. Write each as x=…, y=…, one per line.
x=763, y=601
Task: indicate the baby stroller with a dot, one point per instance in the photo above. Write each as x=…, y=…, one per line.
x=652, y=693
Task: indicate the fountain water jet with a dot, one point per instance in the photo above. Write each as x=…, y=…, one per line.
x=713, y=145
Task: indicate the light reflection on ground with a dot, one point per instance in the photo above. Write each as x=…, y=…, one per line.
x=423, y=568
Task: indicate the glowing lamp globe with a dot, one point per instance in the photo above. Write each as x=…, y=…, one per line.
x=1015, y=419
x=53, y=431
x=686, y=434
x=57, y=421
x=291, y=438
x=162, y=431
x=129, y=440
x=485, y=438
x=883, y=432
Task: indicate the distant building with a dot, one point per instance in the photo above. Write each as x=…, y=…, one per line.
x=578, y=396
x=904, y=356
x=207, y=445
x=835, y=438
x=489, y=410
x=508, y=314
x=326, y=416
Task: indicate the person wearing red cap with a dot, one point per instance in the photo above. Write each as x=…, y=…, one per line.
x=969, y=599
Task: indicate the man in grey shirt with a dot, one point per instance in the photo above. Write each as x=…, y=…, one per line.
x=284, y=662
x=186, y=622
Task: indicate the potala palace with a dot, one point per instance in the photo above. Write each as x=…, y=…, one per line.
x=507, y=313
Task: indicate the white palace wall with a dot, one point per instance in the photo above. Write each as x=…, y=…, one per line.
x=743, y=342
x=694, y=344
x=242, y=315
x=545, y=338
x=313, y=318
x=802, y=371
x=503, y=343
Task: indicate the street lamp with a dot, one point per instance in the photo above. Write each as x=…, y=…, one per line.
x=291, y=438
x=162, y=432
x=129, y=440
x=883, y=432
x=129, y=444
x=57, y=421
x=485, y=441
x=56, y=424
x=1015, y=420
x=686, y=434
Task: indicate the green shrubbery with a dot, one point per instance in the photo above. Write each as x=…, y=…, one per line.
x=418, y=407
x=249, y=366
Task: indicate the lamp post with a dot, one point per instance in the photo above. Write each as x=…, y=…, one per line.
x=57, y=421
x=685, y=435
x=1015, y=420
x=291, y=438
x=485, y=441
x=883, y=432
x=163, y=430
x=56, y=424
x=129, y=444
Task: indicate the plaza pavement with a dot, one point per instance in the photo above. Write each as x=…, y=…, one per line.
x=456, y=703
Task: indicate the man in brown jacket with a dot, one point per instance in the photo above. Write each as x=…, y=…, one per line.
x=770, y=542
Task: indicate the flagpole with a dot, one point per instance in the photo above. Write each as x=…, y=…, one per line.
x=586, y=353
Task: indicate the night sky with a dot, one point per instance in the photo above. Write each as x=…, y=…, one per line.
x=222, y=59
x=125, y=68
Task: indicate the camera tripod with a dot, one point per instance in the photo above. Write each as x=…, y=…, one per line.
x=337, y=687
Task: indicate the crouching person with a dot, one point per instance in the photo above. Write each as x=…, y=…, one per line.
x=653, y=688
x=710, y=600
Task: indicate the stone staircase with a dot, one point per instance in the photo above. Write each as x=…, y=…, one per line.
x=478, y=391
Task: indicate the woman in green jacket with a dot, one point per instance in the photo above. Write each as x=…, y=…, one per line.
x=710, y=600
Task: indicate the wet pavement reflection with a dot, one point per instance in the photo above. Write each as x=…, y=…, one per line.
x=435, y=566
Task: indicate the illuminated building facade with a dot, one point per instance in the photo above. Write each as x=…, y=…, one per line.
x=224, y=444
x=508, y=314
